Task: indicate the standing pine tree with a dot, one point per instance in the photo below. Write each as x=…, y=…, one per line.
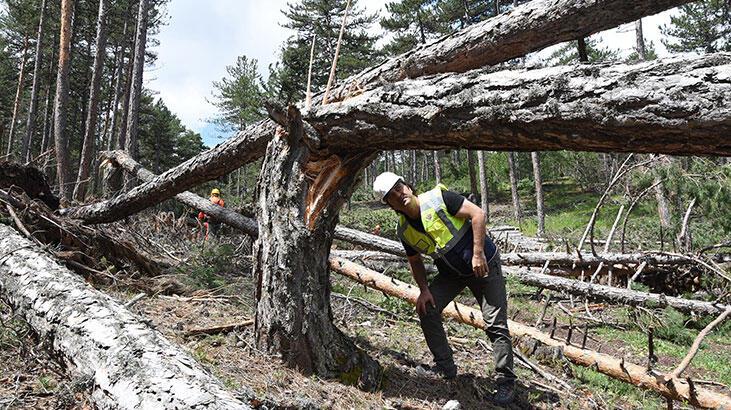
x=703, y=26
x=240, y=95
x=413, y=22
x=323, y=19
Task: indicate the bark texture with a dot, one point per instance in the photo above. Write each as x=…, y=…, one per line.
x=128, y=364
x=484, y=204
x=540, y=214
x=247, y=146
x=517, y=212
x=677, y=106
x=616, y=368
x=18, y=93
x=87, y=151
x=63, y=171
x=524, y=29
x=300, y=193
x=616, y=295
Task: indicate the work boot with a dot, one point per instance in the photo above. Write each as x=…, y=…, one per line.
x=444, y=372
x=504, y=394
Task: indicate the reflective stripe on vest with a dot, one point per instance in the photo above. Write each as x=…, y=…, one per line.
x=443, y=230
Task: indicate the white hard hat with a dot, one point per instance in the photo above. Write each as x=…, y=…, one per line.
x=384, y=183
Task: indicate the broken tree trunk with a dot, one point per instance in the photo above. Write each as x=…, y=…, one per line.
x=300, y=193
x=128, y=364
x=603, y=363
x=524, y=29
x=679, y=105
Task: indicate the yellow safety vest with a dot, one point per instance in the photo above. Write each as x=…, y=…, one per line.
x=443, y=230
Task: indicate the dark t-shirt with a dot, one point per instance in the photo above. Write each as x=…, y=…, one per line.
x=459, y=259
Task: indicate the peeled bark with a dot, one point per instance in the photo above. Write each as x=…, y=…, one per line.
x=30, y=124
x=128, y=363
x=131, y=144
x=540, y=214
x=300, y=194
x=88, y=148
x=62, y=94
x=524, y=29
x=620, y=369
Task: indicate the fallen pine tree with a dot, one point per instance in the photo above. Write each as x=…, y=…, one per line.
x=127, y=363
x=673, y=388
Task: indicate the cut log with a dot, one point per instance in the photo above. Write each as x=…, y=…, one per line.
x=615, y=295
x=603, y=363
x=678, y=105
x=129, y=364
x=524, y=29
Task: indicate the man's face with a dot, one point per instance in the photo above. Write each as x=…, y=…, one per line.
x=400, y=196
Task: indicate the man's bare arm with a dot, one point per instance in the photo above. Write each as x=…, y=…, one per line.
x=418, y=271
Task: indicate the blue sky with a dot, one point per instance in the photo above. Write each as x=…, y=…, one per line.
x=201, y=38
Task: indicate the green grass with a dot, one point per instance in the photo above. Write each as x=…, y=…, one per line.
x=615, y=392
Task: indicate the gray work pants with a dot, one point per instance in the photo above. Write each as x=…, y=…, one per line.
x=490, y=294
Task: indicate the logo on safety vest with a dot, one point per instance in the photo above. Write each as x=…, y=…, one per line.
x=429, y=217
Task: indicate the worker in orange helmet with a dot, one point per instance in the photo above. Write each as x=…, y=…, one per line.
x=209, y=225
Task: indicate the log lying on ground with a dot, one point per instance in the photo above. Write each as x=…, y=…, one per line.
x=678, y=105
x=527, y=28
x=616, y=295
x=130, y=365
x=620, y=369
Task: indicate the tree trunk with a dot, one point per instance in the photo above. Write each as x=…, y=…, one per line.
x=18, y=94
x=517, y=212
x=25, y=149
x=581, y=44
x=472, y=172
x=62, y=93
x=508, y=101
x=529, y=27
x=130, y=364
x=540, y=215
x=641, y=49
x=131, y=144
x=414, y=176
x=293, y=317
x=46, y=142
x=484, y=204
x=122, y=135
x=88, y=149
x=437, y=167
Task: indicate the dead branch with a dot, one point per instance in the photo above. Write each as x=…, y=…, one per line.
x=215, y=330
x=675, y=374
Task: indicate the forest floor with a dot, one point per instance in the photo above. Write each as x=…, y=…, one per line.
x=217, y=288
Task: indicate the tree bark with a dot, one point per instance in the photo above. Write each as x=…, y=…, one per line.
x=131, y=144
x=88, y=148
x=526, y=28
x=640, y=37
x=129, y=364
x=410, y=114
x=512, y=170
x=616, y=368
x=18, y=93
x=300, y=194
x=62, y=94
x=483, y=186
x=540, y=215
x=437, y=167
x=25, y=149
x=615, y=294
x=581, y=45
x=598, y=108
x=472, y=172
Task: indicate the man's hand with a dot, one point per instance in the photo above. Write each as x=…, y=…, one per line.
x=424, y=298
x=479, y=264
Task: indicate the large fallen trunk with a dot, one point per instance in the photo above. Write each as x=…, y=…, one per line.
x=527, y=28
x=129, y=364
x=616, y=295
x=680, y=105
x=676, y=389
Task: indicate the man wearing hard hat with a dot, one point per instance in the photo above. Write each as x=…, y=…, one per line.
x=451, y=229
x=209, y=225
